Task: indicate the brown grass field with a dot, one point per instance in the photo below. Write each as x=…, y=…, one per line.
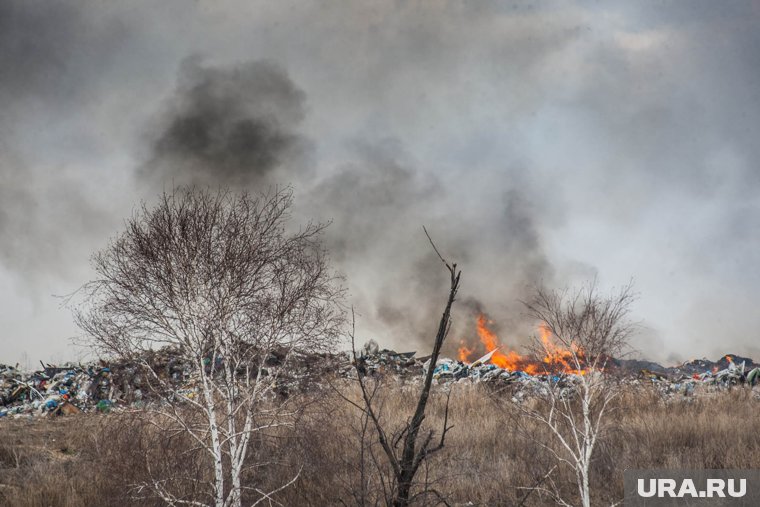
x=491, y=457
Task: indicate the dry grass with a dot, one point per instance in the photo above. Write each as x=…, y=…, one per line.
x=41, y=464
x=491, y=455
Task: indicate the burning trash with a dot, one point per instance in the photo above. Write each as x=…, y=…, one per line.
x=104, y=387
x=556, y=359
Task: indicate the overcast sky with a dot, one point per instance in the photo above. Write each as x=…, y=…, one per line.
x=540, y=142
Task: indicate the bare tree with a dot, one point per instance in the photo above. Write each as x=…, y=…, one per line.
x=215, y=277
x=405, y=448
x=586, y=330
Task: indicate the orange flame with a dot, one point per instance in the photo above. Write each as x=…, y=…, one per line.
x=556, y=359
x=511, y=360
x=563, y=359
x=464, y=351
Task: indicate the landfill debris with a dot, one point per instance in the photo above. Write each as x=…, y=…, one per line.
x=485, y=358
x=63, y=390
x=105, y=387
x=686, y=379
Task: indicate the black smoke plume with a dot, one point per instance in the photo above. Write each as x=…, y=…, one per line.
x=228, y=126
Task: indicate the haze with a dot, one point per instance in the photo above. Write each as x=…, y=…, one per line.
x=539, y=142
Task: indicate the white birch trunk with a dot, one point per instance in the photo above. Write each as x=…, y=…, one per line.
x=216, y=445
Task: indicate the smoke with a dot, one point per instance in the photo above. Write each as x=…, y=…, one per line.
x=47, y=212
x=26, y=63
x=378, y=204
x=239, y=126
x=537, y=141
x=36, y=44
x=229, y=126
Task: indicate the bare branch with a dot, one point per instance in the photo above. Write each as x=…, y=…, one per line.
x=413, y=452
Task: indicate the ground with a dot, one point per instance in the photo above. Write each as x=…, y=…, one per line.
x=491, y=456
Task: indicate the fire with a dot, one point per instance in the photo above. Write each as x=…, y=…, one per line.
x=556, y=358
x=511, y=360
x=464, y=351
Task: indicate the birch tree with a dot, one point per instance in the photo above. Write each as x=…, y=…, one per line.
x=585, y=331
x=215, y=279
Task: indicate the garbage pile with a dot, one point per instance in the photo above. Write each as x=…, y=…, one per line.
x=683, y=379
x=725, y=363
x=56, y=390
x=732, y=374
x=98, y=386
x=102, y=387
x=105, y=386
x=373, y=361
x=448, y=370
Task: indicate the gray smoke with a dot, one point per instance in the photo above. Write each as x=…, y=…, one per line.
x=238, y=126
x=378, y=204
x=229, y=126
x=47, y=213
x=37, y=42
x=550, y=141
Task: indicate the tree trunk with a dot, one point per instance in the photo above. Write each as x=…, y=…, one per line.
x=216, y=445
x=402, y=498
x=410, y=458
